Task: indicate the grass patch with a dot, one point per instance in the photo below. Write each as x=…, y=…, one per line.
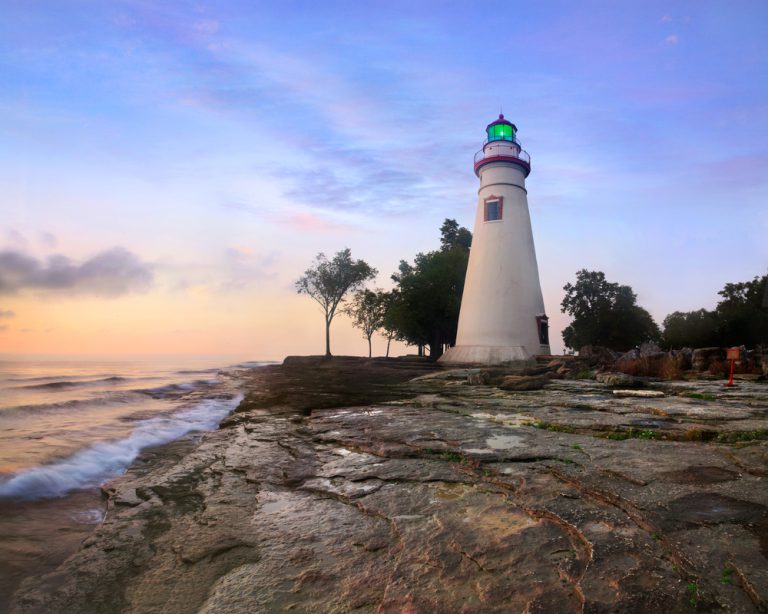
x=630, y=434
x=583, y=374
x=551, y=426
x=693, y=590
x=727, y=576
x=742, y=436
x=701, y=396
x=446, y=455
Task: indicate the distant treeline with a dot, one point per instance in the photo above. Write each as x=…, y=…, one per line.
x=422, y=309
x=607, y=314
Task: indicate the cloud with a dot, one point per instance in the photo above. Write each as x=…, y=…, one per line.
x=7, y=313
x=3, y=327
x=48, y=239
x=666, y=19
x=356, y=137
x=304, y=221
x=111, y=273
x=14, y=237
x=244, y=267
x=672, y=39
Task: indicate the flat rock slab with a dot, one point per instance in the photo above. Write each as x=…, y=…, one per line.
x=642, y=394
x=444, y=494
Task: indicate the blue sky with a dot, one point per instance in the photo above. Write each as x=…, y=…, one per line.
x=221, y=145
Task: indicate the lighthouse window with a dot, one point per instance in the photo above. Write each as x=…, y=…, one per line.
x=493, y=209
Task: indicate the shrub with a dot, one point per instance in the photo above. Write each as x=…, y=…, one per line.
x=664, y=367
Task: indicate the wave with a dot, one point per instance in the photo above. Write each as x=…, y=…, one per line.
x=102, y=461
x=252, y=364
x=175, y=389
x=107, y=397
x=71, y=384
x=73, y=404
x=42, y=378
x=197, y=371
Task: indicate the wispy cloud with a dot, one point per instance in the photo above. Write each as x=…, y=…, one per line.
x=672, y=39
x=7, y=313
x=242, y=267
x=305, y=221
x=111, y=273
x=15, y=238
x=48, y=239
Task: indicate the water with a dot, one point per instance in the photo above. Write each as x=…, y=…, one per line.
x=66, y=427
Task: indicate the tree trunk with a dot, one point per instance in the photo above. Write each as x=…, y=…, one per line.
x=369, y=347
x=327, y=338
x=389, y=340
x=435, y=347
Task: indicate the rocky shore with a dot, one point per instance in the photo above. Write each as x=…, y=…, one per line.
x=391, y=486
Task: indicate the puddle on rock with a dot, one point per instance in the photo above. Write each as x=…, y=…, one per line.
x=497, y=442
x=503, y=442
x=714, y=508
x=699, y=475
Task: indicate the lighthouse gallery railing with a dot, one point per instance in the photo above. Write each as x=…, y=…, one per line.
x=502, y=149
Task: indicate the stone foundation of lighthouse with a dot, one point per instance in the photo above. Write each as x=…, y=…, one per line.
x=502, y=316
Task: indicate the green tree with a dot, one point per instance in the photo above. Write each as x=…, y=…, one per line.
x=367, y=310
x=743, y=318
x=426, y=309
x=328, y=281
x=693, y=329
x=454, y=236
x=604, y=313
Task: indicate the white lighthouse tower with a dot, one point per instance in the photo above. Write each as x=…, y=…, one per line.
x=502, y=314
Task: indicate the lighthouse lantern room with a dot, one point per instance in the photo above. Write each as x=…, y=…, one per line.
x=502, y=315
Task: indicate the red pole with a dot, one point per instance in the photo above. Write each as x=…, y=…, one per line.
x=730, y=382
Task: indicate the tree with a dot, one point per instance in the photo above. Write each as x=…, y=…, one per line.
x=454, y=236
x=328, y=281
x=367, y=310
x=693, y=329
x=604, y=313
x=743, y=320
x=389, y=322
x=426, y=308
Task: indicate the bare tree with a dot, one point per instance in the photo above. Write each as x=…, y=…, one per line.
x=367, y=310
x=328, y=281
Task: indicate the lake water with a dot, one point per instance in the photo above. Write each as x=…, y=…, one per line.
x=66, y=427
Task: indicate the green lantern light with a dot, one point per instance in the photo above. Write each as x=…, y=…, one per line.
x=501, y=130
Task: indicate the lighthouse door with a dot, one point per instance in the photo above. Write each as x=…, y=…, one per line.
x=542, y=323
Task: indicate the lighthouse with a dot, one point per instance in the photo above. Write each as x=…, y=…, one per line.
x=502, y=315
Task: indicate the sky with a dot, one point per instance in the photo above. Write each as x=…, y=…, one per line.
x=169, y=169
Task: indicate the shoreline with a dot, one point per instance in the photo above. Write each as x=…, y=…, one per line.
x=39, y=534
x=378, y=485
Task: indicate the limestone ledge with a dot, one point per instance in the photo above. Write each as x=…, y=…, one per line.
x=348, y=485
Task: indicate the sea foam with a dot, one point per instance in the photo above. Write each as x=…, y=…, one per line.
x=102, y=461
